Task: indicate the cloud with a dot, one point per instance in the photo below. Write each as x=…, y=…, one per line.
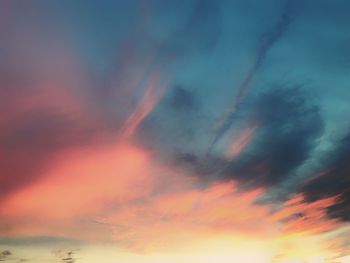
x=333, y=180
x=269, y=39
x=186, y=215
x=286, y=130
x=177, y=124
x=42, y=110
x=147, y=103
x=240, y=142
x=131, y=194
x=97, y=175
x=55, y=103
x=67, y=256
x=120, y=194
x=74, y=130
x=5, y=254
x=300, y=216
x=182, y=99
x=284, y=140
x=37, y=121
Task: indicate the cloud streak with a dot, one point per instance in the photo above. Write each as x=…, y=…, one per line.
x=147, y=103
x=268, y=41
x=333, y=180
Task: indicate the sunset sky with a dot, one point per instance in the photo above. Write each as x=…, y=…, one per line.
x=175, y=131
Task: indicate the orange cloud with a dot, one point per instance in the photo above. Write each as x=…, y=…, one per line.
x=300, y=216
x=121, y=193
x=80, y=184
x=121, y=185
x=169, y=220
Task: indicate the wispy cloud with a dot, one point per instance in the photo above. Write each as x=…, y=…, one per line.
x=268, y=40
x=153, y=93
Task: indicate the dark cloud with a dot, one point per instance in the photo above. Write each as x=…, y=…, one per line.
x=182, y=99
x=269, y=39
x=288, y=131
x=67, y=256
x=207, y=167
x=333, y=180
x=4, y=255
x=7, y=255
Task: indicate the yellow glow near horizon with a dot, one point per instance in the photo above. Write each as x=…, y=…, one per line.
x=219, y=252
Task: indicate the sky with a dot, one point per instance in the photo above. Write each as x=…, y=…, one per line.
x=146, y=131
